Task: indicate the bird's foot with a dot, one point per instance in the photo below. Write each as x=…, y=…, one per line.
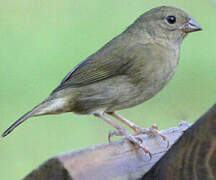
x=122, y=132
x=151, y=131
x=135, y=140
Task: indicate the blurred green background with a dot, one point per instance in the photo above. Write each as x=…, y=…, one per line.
x=40, y=41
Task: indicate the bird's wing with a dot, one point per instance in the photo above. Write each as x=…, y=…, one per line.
x=97, y=67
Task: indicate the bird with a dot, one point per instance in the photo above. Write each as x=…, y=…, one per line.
x=127, y=71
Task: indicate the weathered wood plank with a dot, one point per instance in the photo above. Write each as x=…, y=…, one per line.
x=119, y=160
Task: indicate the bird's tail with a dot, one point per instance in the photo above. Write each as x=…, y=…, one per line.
x=48, y=106
x=18, y=122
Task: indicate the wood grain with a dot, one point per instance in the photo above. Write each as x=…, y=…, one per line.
x=119, y=160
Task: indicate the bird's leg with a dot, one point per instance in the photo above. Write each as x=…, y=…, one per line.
x=137, y=129
x=122, y=132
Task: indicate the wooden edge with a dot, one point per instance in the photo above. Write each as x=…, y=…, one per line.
x=117, y=161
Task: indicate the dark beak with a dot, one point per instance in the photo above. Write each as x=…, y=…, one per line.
x=191, y=26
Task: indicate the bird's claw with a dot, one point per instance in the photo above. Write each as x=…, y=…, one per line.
x=139, y=143
x=151, y=131
x=115, y=133
x=135, y=140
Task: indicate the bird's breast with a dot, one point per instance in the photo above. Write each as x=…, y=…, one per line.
x=156, y=73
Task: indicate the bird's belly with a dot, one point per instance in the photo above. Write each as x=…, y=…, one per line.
x=117, y=93
x=144, y=90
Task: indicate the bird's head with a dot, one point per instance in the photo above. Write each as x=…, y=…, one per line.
x=167, y=23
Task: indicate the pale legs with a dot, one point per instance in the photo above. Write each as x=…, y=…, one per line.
x=137, y=129
x=121, y=131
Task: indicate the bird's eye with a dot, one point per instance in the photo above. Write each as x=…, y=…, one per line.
x=171, y=19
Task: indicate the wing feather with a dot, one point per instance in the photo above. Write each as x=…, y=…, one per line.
x=98, y=67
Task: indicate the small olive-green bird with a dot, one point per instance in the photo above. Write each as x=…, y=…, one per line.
x=125, y=72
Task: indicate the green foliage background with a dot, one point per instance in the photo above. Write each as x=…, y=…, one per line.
x=40, y=41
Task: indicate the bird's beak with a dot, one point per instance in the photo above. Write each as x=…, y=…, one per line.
x=191, y=26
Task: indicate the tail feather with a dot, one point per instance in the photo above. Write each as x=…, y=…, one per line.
x=48, y=106
x=17, y=123
x=34, y=112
